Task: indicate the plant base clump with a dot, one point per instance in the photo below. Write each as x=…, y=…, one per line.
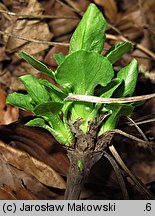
x=87, y=150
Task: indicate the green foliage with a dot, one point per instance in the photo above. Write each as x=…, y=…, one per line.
x=90, y=33
x=59, y=57
x=83, y=71
x=116, y=111
x=55, y=93
x=36, y=91
x=129, y=76
x=20, y=100
x=117, y=51
x=88, y=68
x=37, y=64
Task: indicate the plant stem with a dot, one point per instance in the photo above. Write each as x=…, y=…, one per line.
x=77, y=177
x=75, y=181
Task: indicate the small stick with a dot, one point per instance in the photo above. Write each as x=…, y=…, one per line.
x=94, y=99
x=34, y=40
x=144, y=121
x=118, y=174
x=73, y=5
x=40, y=17
x=140, y=186
x=141, y=143
x=138, y=128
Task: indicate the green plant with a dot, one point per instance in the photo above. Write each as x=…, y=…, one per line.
x=83, y=126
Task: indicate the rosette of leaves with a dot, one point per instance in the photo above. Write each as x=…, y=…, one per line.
x=80, y=72
x=83, y=71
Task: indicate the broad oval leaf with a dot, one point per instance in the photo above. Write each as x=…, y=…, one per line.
x=20, y=100
x=38, y=92
x=37, y=64
x=129, y=75
x=118, y=50
x=90, y=33
x=83, y=71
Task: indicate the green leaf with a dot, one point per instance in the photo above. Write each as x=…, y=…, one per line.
x=83, y=71
x=38, y=93
x=49, y=111
x=110, y=88
x=37, y=64
x=108, y=91
x=118, y=50
x=55, y=93
x=82, y=110
x=90, y=33
x=129, y=75
x=59, y=57
x=117, y=110
x=37, y=122
x=45, y=109
x=20, y=100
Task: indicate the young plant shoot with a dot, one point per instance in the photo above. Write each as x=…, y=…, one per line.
x=79, y=125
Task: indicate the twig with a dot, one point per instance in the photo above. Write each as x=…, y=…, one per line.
x=73, y=5
x=140, y=142
x=144, y=122
x=40, y=17
x=144, y=119
x=142, y=57
x=65, y=5
x=34, y=40
x=94, y=99
x=138, y=128
x=140, y=186
x=118, y=174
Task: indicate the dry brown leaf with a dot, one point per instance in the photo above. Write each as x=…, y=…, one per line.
x=6, y=193
x=11, y=186
x=8, y=113
x=30, y=165
x=110, y=8
x=38, y=189
x=125, y=4
x=145, y=170
x=16, y=184
x=16, y=5
x=37, y=142
x=49, y=59
x=130, y=22
x=62, y=26
x=5, y=19
x=33, y=29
